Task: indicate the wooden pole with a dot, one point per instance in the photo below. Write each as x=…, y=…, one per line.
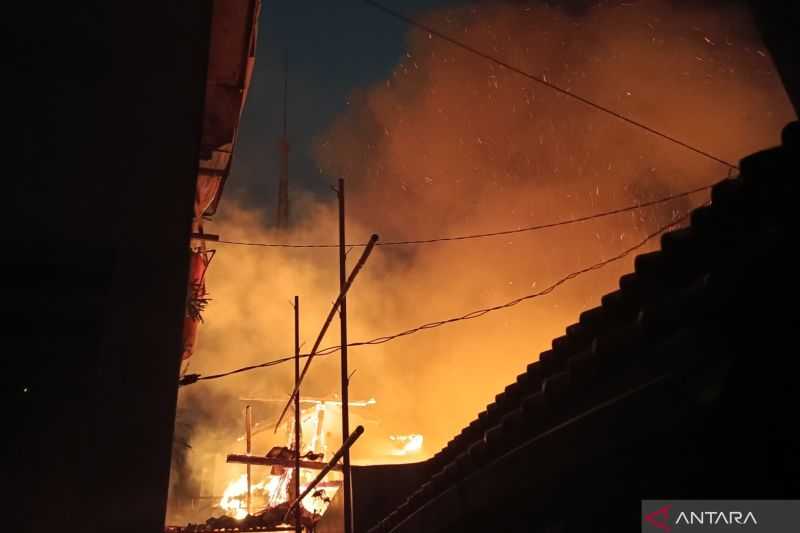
x=330, y=466
x=348, y=509
x=328, y=320
x=297, y=416
x=248, y=424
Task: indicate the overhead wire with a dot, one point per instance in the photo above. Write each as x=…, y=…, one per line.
x=524, y=229
x=192, y=378
x=538, y=79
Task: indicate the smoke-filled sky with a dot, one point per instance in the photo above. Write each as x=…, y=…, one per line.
x=434, y=141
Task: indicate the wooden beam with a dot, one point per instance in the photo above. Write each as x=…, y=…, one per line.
x=267, y=461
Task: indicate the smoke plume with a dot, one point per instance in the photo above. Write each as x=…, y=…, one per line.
x=450, y=144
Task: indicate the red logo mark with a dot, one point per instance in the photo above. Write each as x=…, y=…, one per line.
x=660, y=518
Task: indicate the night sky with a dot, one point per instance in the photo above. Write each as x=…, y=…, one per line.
x=333, y=48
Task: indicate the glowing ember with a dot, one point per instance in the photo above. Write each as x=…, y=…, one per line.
x=410, y=444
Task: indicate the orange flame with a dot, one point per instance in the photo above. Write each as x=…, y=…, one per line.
x=410, y=444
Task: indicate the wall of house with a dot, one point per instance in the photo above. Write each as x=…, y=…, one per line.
x=107, y=102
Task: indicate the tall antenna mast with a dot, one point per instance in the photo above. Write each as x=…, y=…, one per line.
x=282, y=221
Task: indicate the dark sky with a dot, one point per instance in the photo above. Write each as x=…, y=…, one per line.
x=334, y=47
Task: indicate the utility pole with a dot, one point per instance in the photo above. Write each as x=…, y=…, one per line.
x=348, y=503
x=328, y=320
x=282, y=218
x=248, y=426
x=297, y=418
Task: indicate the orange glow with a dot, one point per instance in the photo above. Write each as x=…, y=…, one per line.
x=410, y=444
x=234, y=499
x=449, y=144
x=273, y=489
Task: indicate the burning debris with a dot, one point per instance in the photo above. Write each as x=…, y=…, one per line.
x=271, y=519
x=275, y=492
x=287, y=454
x=271, y=494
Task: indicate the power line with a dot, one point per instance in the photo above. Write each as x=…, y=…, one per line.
x=192, y=378
x=546, y=83
x=500, y=233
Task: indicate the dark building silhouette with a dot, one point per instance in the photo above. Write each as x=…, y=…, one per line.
x=119, y=107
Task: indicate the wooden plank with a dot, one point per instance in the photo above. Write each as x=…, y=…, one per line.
x=267, y=461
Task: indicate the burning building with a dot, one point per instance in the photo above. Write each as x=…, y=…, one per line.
x=679, y=378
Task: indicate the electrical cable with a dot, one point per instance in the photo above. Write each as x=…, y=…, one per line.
x=546, y=83
x=192, y=378
x=536, y=227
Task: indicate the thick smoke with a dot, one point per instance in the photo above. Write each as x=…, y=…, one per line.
x=451, y=144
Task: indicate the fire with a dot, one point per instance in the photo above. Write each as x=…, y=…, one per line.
x=434, y=140
x=234, y=499
x=410, y=444
x=273, y=491
x=318, y=500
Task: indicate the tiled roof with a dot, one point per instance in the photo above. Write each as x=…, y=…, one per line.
x=671, y=291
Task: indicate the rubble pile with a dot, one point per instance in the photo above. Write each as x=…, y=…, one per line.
x=271, y=519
